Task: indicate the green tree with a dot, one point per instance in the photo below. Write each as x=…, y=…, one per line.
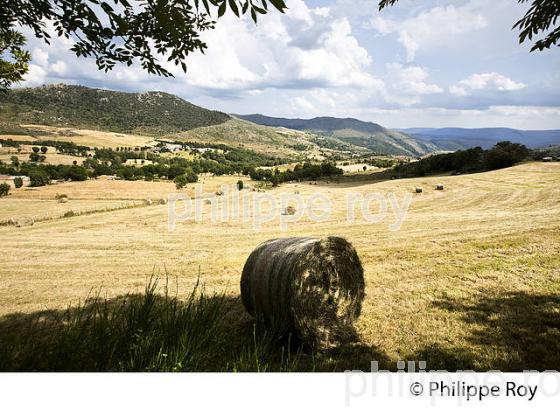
x=118, y=31
x=44, y=149
x=4, y=189
x=14, y=60
x=540, y=21
x=505, y=154
x=35, y=150
x=38, y=177
x=181, y=181
x=240, y=185
x=15, y=161
x=18, y=182
x=34, y=157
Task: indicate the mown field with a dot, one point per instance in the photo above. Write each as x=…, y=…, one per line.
x=470, y=281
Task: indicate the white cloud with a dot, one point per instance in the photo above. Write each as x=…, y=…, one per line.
x=485, y=81
x=411, y=80
x=520, y=117
x=59, y=67
x=306, y=48
x=433, y=28
x=35, y=76
x=40, y=57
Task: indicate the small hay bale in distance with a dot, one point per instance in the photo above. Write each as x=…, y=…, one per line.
x=418, y=190
x=439, y=187
x=310, y=287
x=290, y=210
x=25, y=221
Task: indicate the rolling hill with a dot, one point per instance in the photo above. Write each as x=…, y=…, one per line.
x=152, y=113
x=110, y=118
x=349, y=130
x=460, y=138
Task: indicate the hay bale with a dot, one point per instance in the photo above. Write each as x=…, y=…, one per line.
x=25, y=222
x=290, y=210
x=418, y=190
x=61, y=198
x=148, y=202
x=219, y=193
x=439, y=187
x=310, y=287
x=163, y=201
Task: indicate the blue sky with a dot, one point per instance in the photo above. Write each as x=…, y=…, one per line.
x=422, y=63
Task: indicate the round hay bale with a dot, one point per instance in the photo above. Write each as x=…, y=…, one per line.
x=439, y=187
x=163, y=201
x=310, y=287
x=418, y=190
x=26, y=221
x=61, y=198
x=290, y=210
x=148, y=201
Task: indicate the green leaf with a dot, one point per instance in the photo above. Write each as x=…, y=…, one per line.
x=253, y=15
x=279, y=4
x=233, y=7
x=222, y=9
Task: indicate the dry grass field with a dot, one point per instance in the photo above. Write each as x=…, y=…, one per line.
x=90, y=138
x=51, y=158
x=471, y=279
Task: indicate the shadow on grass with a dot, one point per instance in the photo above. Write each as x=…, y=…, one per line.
x=515, y=331
x=155, y=332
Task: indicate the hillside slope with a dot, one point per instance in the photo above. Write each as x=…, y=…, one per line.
x=77, y=106
x=364, y=134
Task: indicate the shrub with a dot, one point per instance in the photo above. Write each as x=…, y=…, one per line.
x=175, y=171
x=4, y=189
x=505, y=154
x=15, y=161
x=18, y=182
x=38, y=177
x=181, y=181
x=75, y=173
x=240, y=185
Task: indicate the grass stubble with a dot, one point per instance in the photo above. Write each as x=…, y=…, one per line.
x=470, y=281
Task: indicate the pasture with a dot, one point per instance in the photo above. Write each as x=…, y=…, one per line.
x=471, y=280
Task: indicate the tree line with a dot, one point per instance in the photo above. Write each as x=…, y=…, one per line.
x=504, y=154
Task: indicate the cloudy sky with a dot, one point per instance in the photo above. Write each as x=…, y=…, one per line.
x=422, y=63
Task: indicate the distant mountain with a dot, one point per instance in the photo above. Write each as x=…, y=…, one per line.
x=83, y=107
x=484, y=137
x=360, y=133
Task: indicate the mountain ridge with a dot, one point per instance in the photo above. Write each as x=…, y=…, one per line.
x=365, y=134
x=486, y=137
x=151, y=112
